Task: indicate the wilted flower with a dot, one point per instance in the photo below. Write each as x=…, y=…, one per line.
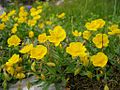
x=10, y=70
x=85, y=60
x=43, y=77
x=51, y=64
x=20, y=75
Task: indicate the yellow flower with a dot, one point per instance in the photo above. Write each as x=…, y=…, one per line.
x=57, y=35
x=39, y=7
x=26, y=48
x=114, y=30
x=20, y=75
x=42, y=38
x=100, y=40
x=22, y=8
x=37, y=17
x=2, y=26
x=22, y=20
x=16, y=18
x=38, y=52
x=4, y=14
x=23, y=14
x=99, y=60
x=76, y=49
x=39, y=11
x=8, y=64
x=113, y=27
x=5, y=19
x=10, y=70
x=11, y=13
x=76, y=33
x=14, y=59
x=35, y=12
x=32, y=9
x=41, y=25
x=31, y=34
x=32, y=22
x=95, y=24
x=14, y=30
x=62, y=15
x=117, y=31
x=48, y=22
x=86, y=35
x=14, y=40
x=15, y=25
x=61, y=46
x=85, y=60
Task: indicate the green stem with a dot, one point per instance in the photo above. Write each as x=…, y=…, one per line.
x=114, y=12
x=72, y=22
x=19, y=86
x=5, y=85
x=85, y=9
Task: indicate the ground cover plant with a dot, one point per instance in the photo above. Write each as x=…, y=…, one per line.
x=70, y=45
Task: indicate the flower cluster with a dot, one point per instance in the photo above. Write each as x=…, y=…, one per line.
x=36, y=46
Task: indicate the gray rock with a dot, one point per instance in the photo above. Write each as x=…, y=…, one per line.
x=24, y=87
x=59, y=2
x=1, y=10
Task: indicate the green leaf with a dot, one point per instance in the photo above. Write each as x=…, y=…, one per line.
x=51, y=70
x=77, y=71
